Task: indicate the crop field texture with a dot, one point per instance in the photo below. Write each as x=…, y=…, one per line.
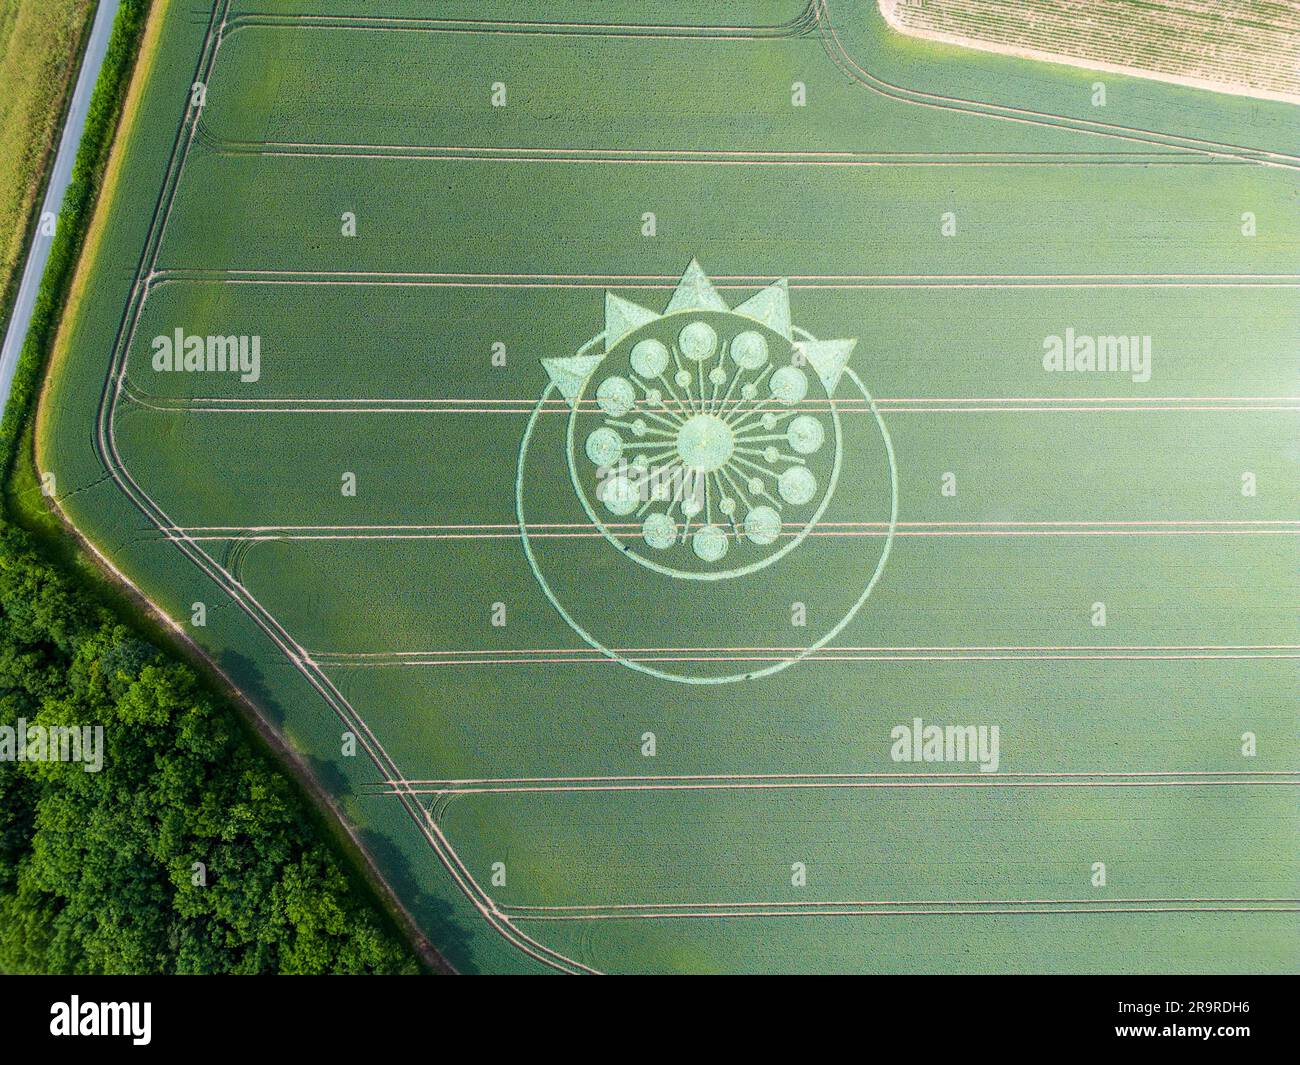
x=984, y=399
x=1251, y=47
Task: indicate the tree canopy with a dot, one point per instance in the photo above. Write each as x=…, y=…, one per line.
x=100, y=871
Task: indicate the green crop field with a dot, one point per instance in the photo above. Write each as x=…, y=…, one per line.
x=649, y=411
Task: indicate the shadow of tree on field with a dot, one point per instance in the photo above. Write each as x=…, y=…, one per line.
x=330, y=776
x=248, y=678
x=435, y=917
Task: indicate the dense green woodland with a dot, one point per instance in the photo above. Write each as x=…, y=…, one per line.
x=97, y=869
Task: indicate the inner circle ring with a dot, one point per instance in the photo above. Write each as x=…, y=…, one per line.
x=718, y=575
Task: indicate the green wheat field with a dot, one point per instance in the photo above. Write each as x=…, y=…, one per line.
x=570, y=749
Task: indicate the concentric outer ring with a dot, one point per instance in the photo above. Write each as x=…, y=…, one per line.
x=641, y=667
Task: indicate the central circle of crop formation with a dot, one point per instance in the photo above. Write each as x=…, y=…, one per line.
x=705, y=443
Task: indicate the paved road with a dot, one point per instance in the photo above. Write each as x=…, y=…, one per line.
x=39, y=252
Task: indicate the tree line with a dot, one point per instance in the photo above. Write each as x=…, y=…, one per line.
x=190, y=850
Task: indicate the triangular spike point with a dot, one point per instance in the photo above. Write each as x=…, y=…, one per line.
x=570, y=374
x=771, y=307
x=828, y=358
x=622, y=317
x=695, y=292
